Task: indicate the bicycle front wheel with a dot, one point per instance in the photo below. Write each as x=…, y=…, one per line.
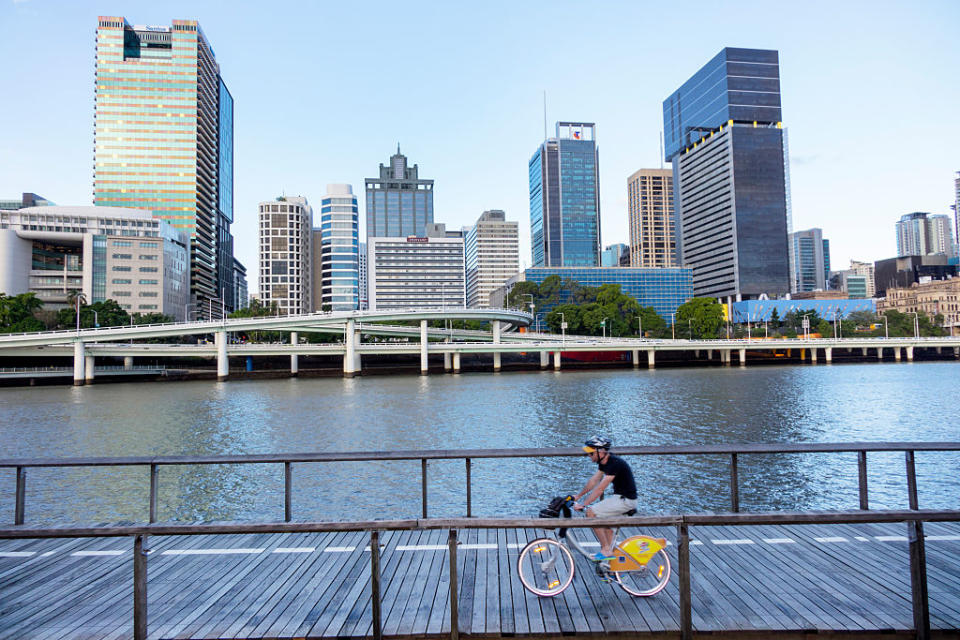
x=545, y=567
x=649, y=579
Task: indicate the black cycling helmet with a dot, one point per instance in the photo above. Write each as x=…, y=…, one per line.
x=596, y=442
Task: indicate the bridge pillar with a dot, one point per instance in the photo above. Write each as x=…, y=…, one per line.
x=88, y=370
x=896, y=354
x=544, y=359
x=447, y=359
x=456, y=362
x=956, y=352
x=223, y=363
x=743, y=357
x=357, y=358
x=651, y=359
x=828, y=354
x=636, y=358
x=725, y=356
x=709, y=354
x=556, y=361
x=696, y=353
x=294, y=362
x=863, y=351
x=879, y=353
x=350, y=355
x=909, y=354
x=496, y=340
x=424, y=360
x=78, y=362
x=128, y=362
x=813, y=355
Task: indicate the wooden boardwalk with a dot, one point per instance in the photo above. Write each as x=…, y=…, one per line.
x=848, y=579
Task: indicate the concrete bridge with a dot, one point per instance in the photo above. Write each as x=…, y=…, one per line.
x=87, y=344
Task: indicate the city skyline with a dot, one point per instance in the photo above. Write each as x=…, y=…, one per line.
x=852, y=181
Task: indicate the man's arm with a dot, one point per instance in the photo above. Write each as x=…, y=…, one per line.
x=591, y=483
x=598, y=482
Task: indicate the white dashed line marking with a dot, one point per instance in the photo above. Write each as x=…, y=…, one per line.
x=779, y=540
x=696, y=542
x=482, y=545
x=340, y=549
x=211, y=552
x=97, y=553
x=861, y=539
x=832, y=539
x=943, y=537
x=734, y=541
x=16, y=554
x=892, y=538
x=421, y=547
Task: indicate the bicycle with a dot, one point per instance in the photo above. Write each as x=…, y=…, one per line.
x=639, y=564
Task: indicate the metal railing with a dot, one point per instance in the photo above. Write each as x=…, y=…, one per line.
x=682, y=523
x=733, y=451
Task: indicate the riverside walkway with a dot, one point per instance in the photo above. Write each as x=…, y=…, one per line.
x=765, y=581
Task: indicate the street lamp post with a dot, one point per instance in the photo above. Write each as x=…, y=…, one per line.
x=96, y=319
x=916, y=324
x=640, y=326
x=603, y=325
x=77, y=299
x=690, y=327
x=836, y=320
x=806, y=327
x=563, y=330
x=886, y=330
x=673, y=326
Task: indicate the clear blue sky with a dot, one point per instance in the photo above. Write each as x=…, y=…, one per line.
x=324, y=92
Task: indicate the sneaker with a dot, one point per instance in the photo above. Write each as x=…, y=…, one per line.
x=599, y=557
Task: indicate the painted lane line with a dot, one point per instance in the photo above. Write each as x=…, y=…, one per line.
x=892, y=538
x=733, y=541
x=943, y=537
x=479, y=545
x=339, y=549
x=212, y=552
x=516, y=545
x=419, y=547
x=779, y=540
x=861, y=539
x=696, y=542
x=98, y=553
x=294, y=550
x=832, y=539
x=16, y=554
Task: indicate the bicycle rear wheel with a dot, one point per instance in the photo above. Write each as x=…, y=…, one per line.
x=648, y=580
x=545, y=567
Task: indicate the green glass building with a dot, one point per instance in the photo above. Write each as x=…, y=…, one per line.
x=163, y=123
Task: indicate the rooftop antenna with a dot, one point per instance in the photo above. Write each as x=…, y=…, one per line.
x=544, y=114
x=661, y=148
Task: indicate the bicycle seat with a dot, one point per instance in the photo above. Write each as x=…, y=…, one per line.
x=632, y=512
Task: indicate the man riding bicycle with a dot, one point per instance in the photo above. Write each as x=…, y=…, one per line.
x=610, y=470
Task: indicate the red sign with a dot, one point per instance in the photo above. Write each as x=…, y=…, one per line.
x=416, y=239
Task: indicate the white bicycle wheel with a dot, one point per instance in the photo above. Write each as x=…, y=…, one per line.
x=545, y=567
x=648, y=580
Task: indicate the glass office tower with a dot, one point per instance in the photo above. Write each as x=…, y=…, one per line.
x=811, y=255
x=723, y=134
x=164, y=140
x=565, y=198
x=399, y=203
x=339, y=249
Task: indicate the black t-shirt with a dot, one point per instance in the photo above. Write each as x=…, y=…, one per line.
x=623, y=484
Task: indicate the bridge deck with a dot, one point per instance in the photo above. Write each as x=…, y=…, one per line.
x=838, y=578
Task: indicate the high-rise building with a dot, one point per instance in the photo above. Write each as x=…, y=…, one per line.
x=163, y=121
x=865, y=269
x=364, y=304
x=922, y=234
x=811, y=255
x=286, y=226
x=650, y=209
x=565, y=198
x=956, y=214
x=108, y=253
x=415, y=272
x=399, y=203
x=723, y=133
x=27, y=200
x=339, y=249
x=491, y=254
x=612, y=255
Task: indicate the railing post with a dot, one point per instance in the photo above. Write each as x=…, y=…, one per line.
x=683, y=575
x=918, y=580
x=734, y=485
x=21, y=495
x=454, y=598
x=469, y=503
x=862, y=466
x=911, y=482
x=154, y=473
x=287, y=491
x=375, y=584
x=423, y=486
x=139, y=589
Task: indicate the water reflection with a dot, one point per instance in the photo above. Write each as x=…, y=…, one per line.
x=873, y=402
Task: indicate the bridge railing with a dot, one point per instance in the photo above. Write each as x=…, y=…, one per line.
x=914, y=519
x=734, y=453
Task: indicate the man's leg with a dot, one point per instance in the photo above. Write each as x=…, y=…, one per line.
x=603, y=534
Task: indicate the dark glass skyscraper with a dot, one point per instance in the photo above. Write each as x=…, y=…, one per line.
x=399, y=203
x=565, y=198
x=724, y=135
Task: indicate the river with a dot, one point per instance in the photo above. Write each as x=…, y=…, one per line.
x=762, y=404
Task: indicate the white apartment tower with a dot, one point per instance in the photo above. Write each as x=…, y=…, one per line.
x=415, y=272
x=364, y=304
x=650, y=210
x=491, y=255
x=285, y=238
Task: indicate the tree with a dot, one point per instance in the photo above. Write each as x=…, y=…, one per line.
x=18, y=313
x=703, y=317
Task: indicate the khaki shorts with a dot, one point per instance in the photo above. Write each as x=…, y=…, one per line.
x=612, y=506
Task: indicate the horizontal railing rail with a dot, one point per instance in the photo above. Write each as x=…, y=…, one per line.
x=733, y=451
x=913, y=518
